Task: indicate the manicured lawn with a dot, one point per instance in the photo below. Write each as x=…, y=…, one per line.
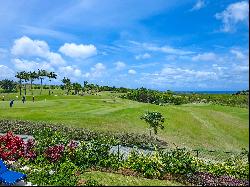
x=192, y=126
x=111, y=179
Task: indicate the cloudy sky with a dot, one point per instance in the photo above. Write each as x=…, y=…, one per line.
x=158, y=44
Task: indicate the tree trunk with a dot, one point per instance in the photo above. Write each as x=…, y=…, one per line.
x=41, y=86
x=49, y=86
x=20, y=87
x=25, y=88
x=31, y=81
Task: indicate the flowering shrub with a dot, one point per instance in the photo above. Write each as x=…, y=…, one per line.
x=72, y=145
x=54, y=153
x=13, y=147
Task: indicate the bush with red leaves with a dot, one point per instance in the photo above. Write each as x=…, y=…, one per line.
x=13, y=147
x=54, y=153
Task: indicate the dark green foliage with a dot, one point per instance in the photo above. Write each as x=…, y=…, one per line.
x=8, y=85
x=178, y=161
x=59, y=174
x=67, y=84
x=160, y=98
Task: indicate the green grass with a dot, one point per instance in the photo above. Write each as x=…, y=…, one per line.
x=111, y=179
x=192, y=126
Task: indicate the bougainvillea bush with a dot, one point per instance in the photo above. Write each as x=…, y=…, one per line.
x=13, y=147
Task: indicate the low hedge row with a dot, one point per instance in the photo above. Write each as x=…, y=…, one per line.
x=127, y=139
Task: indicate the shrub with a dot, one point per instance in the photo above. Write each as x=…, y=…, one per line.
x=151, y=166
x=178, y=161
x=60, y=174
x=13, y=147
x=54, y=153
x=43, y=132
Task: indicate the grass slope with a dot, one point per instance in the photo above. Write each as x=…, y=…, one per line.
x=192, y=126
x=111, y=179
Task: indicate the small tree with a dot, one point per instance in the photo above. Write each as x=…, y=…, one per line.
x=154, y=119
x=67, y=84
x=77, y=87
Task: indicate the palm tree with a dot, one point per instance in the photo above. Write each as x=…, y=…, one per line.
x=26, y=77
x=67, y=84
x=20, y=76
x=51, y=75
x=85, y=85
x=42, y=74
x=77, y=87
x=32, y=76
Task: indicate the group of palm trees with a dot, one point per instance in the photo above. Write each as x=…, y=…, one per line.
x=32, y=76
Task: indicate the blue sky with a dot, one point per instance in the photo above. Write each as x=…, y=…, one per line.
x=158, y=44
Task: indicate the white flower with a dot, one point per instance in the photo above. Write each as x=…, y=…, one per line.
x=25, y=168
x=29, y=184
x=51, y=172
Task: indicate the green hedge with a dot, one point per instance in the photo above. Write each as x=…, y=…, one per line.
x=127, y=139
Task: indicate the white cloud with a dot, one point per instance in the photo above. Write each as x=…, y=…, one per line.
x=131, y=71
x=234, y=13
x=204, y=57
x=142, y=56
x=78, y=51
x=56, y=59
x=119, y=65
x=183, y=74
x=238, y=54
x=6, y=72
x=27, y=65
x=70, y=71
x=98, y=67
x=97, y=71
x=240, y=68
x=25, y=46
x=167, y=49
x=198, y=5
x=145, y=65
x=30, y=30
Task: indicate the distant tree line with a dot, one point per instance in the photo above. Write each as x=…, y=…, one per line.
x=243, y=92
x=88, y=88
x=24, y=76
x=169, y=97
